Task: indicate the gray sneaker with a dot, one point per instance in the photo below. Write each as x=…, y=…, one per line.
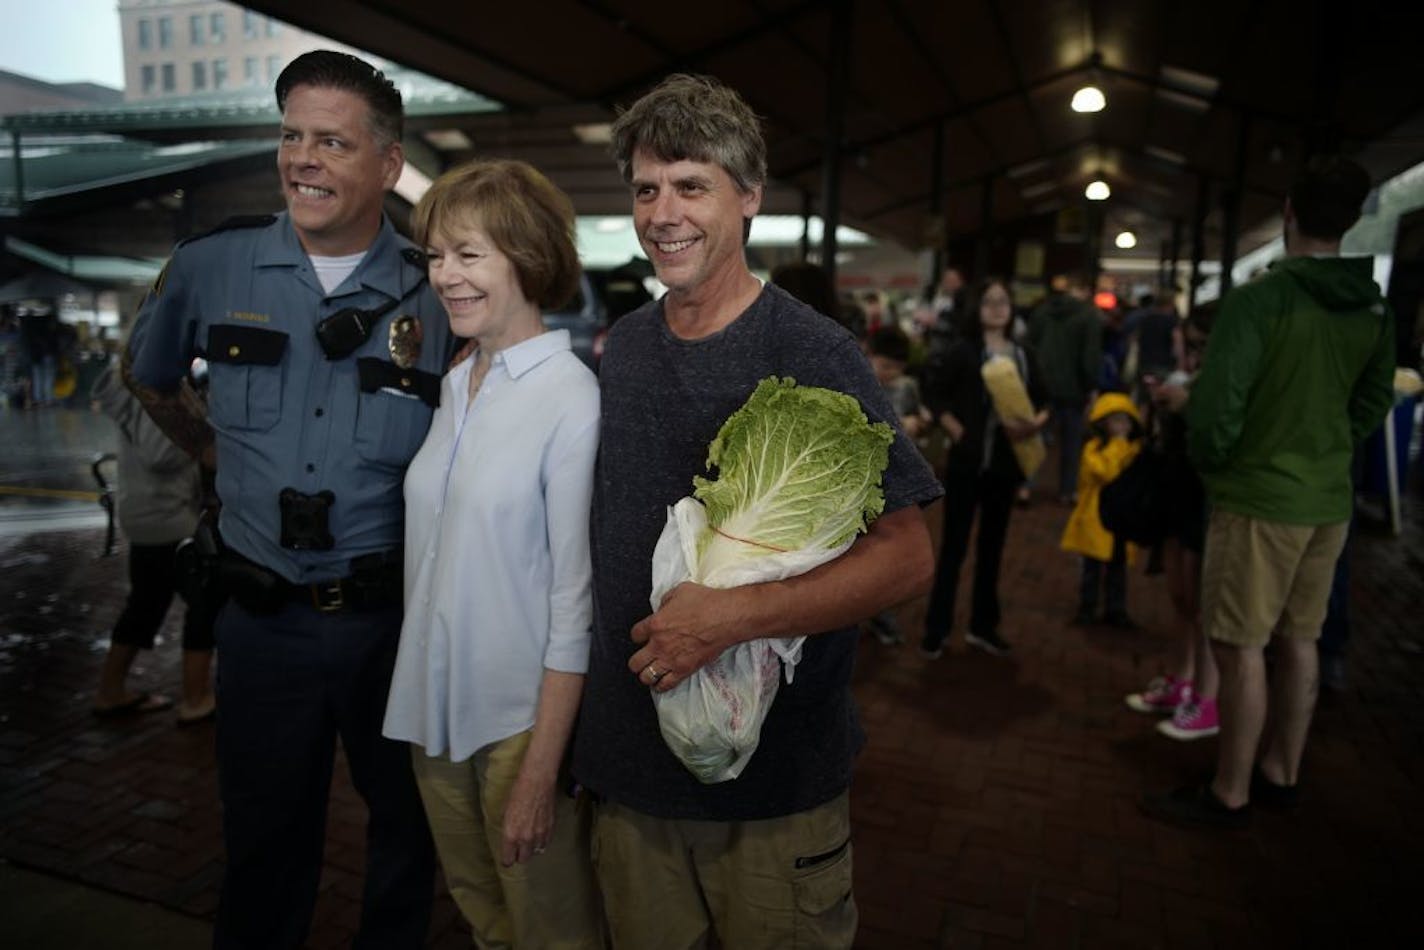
x=886, y=630
x=990, y=642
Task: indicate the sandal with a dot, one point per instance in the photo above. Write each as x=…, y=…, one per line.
x=137, y=705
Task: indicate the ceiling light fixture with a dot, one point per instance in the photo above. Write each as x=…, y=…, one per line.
x=1089, y=99
x=1097, y=190
x=1126, y=240
x=594, y=133
x=449, y=140
x=412, y=184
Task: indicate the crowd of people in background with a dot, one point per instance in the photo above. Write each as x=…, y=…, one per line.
x=1106, y=385
x=46, y=361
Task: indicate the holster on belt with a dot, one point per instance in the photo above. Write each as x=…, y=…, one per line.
x=257, y=589
x=196, y=562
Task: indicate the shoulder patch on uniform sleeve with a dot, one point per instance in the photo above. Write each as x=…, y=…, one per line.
x=234, y=223
x=157, y=287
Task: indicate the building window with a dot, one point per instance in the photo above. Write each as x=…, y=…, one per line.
x=145, y=34
x=147, y=78
x=273, y=27
x=200, y=75
x=217, y=26
x=249, y=71
x=219, y=74
x=274, y=68
x=170, y=77
x=165, y=32
x=195, y=29
x=249, y=24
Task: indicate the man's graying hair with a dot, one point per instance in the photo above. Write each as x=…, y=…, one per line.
x=693, y=118
x=328, y=69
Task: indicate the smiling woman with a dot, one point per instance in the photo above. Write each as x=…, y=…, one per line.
x=496, y=636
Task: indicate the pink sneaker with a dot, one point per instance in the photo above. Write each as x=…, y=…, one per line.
x=1194, y=719
x=1162, y=695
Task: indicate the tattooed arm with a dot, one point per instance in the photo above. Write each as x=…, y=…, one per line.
x=181, y=414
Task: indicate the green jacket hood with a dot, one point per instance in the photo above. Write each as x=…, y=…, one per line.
x=1061, y=306
x=1337, y=283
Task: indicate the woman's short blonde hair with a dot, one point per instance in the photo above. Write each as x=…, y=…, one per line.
x=526, y=215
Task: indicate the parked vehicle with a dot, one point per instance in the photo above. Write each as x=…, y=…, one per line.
x=586, y=319
x=604, y=295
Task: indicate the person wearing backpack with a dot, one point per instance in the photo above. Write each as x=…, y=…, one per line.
x=1187, y=694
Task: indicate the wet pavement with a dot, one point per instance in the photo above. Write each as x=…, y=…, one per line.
x=47, y=477
x=994, y=805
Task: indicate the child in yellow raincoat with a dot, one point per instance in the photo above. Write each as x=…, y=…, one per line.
x=1116, y=438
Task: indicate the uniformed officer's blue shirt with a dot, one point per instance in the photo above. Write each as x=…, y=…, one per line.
x=284, y=415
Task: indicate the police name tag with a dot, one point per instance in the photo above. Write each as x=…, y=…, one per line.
x=405, y=338
x=396, y=392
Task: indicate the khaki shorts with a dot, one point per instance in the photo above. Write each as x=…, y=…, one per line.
x=1261, y=578
x=776, y=884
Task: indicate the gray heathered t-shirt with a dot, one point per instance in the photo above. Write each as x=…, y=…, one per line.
x=664, y=399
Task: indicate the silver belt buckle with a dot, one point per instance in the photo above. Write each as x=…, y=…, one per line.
x=327, y=597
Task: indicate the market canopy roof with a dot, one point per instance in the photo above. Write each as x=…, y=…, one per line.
x=43, y=285
x=1222, y=92
x=85, y=270
x=145, y=148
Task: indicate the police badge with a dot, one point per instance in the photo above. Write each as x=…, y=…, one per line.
x=406, y=337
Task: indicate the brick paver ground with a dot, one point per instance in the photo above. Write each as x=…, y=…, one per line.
x=994, y=805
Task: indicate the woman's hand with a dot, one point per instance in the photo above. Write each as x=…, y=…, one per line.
x=1019, y=429
x=1170, y=396
x=951, y=425
x=528, y=816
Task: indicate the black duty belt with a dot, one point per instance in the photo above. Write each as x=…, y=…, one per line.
x=328, y=597
x=374, y=584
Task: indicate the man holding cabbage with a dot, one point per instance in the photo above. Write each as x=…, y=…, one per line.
x=744, y=437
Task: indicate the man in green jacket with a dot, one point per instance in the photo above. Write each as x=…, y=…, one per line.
x=1299, y=370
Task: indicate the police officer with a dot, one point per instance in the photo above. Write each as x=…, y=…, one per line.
x=325, y=347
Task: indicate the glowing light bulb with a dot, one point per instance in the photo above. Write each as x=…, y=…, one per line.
x=1097, y=191
x=1089, y=99
x=1126, y=240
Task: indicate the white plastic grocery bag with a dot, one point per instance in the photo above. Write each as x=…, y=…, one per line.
x=712, y=720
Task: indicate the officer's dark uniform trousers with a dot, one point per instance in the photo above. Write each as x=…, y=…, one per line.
x=266, y=675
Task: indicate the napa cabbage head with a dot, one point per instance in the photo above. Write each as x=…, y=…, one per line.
x=798, y=467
